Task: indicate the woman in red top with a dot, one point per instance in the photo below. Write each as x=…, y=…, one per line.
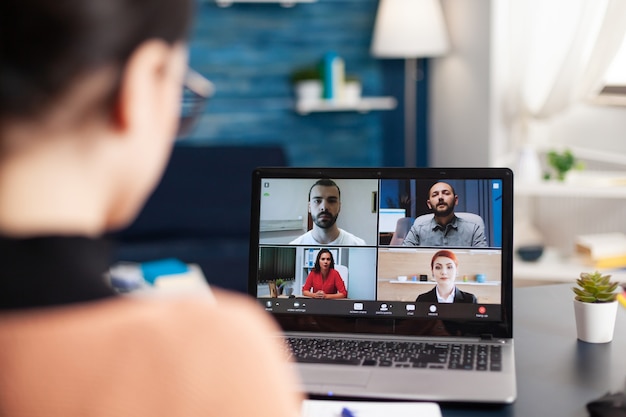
x=324, y=281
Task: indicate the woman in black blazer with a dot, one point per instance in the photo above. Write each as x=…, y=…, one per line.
x=444, y=266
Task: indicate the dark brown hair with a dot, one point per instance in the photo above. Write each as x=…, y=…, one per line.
x=45, y=46
x=325, y=182
x=317, y=266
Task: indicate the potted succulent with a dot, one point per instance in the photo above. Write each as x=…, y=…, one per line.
x=595, y=307
x=280, y=285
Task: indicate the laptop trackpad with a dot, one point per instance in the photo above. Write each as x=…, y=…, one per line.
x=336, y=375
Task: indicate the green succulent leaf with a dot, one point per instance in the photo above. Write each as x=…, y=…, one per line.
x=595, y=288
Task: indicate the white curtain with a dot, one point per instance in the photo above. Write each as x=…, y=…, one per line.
x=558, y=53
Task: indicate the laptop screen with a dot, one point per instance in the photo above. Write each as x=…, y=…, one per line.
x=384, y=250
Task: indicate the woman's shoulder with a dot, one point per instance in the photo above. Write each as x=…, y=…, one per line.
x=171, y=344
x=156, y=311
x=429, y=295
x=466, y=296
x=335, y=272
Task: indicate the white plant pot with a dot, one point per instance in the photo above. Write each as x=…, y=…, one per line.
x=595, y=322
x=309, y=90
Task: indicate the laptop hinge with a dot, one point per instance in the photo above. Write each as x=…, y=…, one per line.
x=486, y=336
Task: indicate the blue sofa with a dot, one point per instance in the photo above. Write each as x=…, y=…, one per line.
x=200, y=212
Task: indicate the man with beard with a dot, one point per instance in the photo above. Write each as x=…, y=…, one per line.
x=324, y=206
x=445, y=228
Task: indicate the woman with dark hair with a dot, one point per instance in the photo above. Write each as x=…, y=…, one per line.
x=90, y=94
x=443, y=265
x=324, y=281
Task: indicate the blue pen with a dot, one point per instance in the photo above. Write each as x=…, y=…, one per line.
x=346, y=412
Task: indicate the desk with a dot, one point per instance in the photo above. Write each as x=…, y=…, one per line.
x=556, y=374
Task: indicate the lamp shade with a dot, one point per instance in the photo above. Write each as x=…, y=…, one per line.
x=409, y=29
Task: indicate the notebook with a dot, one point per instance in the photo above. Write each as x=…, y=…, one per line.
x=439, y=298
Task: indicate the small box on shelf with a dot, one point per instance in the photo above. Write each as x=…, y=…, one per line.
x=602, y=250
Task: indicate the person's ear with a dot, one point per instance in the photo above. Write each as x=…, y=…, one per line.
x=456, y=200
x=429, y=205
x=144, y=93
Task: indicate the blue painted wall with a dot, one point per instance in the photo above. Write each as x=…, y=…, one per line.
x=250, y=50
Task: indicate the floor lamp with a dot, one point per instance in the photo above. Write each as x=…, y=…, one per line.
x=409, y=29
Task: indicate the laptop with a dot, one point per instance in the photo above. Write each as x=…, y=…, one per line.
x=376, y=340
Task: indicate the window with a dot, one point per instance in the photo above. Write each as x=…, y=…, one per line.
x=613, y=90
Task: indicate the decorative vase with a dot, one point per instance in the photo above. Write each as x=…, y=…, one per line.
x=351, y=93
x=595, y=322
x=529, y=167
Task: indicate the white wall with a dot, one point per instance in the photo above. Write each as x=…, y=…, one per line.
x=467, y=120
x=286, y=200
x=467, y=99
x=460, y=88
x=595, y=127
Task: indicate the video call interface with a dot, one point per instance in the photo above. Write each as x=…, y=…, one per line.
x=408, y=248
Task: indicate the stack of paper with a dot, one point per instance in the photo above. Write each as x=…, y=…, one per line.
x=602, y=250
x=330, y=408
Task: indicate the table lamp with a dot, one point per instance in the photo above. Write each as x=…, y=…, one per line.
x=409, y=29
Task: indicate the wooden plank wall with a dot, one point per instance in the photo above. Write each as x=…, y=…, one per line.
x=250, y=50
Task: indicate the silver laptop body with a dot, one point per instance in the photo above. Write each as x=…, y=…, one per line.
x=383, y=279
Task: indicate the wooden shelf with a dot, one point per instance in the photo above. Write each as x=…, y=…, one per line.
x=568, y=190
x=364, y=105
x=583, y=184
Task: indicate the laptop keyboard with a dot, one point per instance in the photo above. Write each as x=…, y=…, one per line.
x=480, y=357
